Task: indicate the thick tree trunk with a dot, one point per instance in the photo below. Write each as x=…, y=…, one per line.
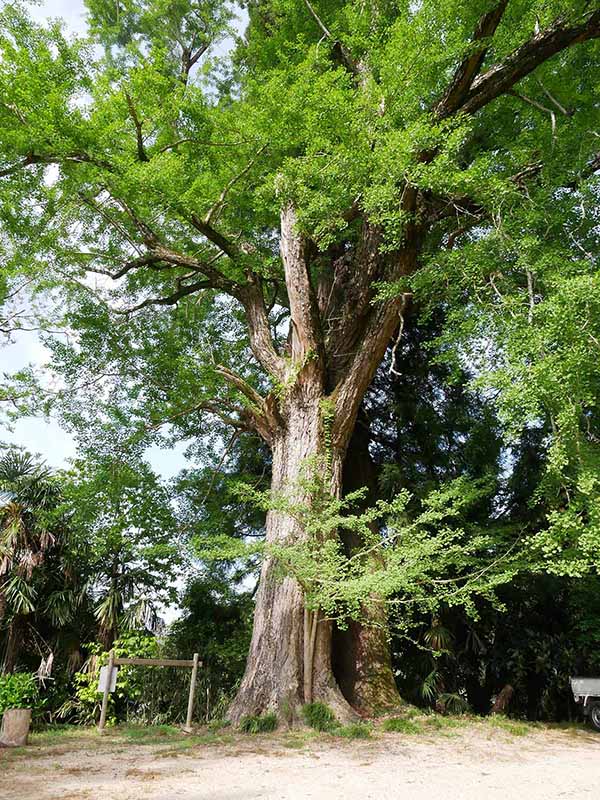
x=13, y=645
x=362, y=665
x=275, y=671
x=361, y=652
x=334, y=348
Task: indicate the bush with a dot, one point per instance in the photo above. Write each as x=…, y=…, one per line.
x=453, y=703
x=134, y=698
x=319, y=716
x=220, y=617
x=401, y=725
x=18, y=690
x=263, y=723
x=357, y=730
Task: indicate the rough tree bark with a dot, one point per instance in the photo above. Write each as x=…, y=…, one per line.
x=289, y=662
x=361, y=653
x=276, y=675
x=14, y=641
x=275, y=672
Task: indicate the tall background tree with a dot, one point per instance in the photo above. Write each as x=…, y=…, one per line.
x=125, y=523
x=351, y=160
x=41, y=587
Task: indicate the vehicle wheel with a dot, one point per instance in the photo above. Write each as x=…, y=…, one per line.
x=595, y=716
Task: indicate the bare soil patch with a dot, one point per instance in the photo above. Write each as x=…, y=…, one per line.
x=464, y=761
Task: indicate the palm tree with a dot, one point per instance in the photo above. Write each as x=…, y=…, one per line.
x=35, y=577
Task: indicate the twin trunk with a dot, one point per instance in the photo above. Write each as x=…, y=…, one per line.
x=290, y=657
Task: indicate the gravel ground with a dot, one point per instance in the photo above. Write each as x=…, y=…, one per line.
x=474, y=762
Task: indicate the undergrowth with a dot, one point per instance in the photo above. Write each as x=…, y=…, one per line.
x=401, y=725
x=356, y=730
x=259, y=723
x=319, y=716
x=511, y=726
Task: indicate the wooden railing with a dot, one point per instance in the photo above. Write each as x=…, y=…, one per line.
x=113, y=663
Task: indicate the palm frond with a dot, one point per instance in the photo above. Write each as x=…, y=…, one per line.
x=20, y=594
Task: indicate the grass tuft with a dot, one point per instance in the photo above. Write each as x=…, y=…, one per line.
x=259, y=723
x=189, y=745
x=218, y=724
x=56, y=734
x=441, y=723
x=356, y=730
x=297, y=739
x=319, y=716
x=509, y=725
x=401, y=725
x=148, y=734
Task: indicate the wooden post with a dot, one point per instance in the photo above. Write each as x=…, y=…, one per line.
x=111, y=659
x=190, y=710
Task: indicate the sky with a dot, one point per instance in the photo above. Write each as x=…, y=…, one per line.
x=37, y=435
x=71, y=11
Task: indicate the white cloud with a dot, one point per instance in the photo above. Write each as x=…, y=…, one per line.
x=71, y=11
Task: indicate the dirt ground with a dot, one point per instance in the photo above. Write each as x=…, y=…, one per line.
x=469, y=761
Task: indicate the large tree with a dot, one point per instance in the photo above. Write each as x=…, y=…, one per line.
x=303, y=189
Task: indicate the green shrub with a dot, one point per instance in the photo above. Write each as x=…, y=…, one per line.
x=401, y=725
x=411, y=712
x=134, y=698
x=18, y=690
x=453, y=703
x=356, y=730
x=260, y=723
x=319, y=716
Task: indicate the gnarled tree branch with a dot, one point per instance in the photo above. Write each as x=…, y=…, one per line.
x=169, y=300
x=306, y=328
x=262, y=410
x=261, y=341
x=339, y=50
x=501, y=77
x=218, y=239
x=141, y=150
x=76, y=157
x=470, y=67
x=241, y=385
